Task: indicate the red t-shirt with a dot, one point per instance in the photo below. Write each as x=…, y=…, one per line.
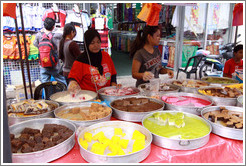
x=81, y=73
x=231, y=65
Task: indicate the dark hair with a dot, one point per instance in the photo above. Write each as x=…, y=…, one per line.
x=90, y=34
x=68, y=28
x=141, y=38
x=237, y=48
x=49, y=23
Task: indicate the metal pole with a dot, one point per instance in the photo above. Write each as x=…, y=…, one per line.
x=206, y=28
x=27, y=62
x=235, y=41
x=21, y=60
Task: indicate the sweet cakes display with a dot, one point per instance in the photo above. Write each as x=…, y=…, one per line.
x=225, y=117
x=32, y=140
x=176, y=125
x=95, y=111
x=190, y=83
x=134, y=104
x=119, y=92
x=225, y=92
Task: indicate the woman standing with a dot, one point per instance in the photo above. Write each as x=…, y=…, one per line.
x=146, y=57
x=100, y=74
x=68, y=49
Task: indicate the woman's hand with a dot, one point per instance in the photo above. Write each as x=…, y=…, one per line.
x=73, y=86
x=117, y=85
x=170, y=73
x=147, y=76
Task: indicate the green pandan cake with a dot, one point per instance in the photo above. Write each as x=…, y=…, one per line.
x=176, y=125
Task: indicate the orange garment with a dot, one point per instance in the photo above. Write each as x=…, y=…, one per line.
x=9, y=44
x=28, y=41
x=150, y=13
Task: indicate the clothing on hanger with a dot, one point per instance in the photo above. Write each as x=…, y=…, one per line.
x=59, y=16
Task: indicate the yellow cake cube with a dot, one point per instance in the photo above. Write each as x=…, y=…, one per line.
x=98, y=148
x=115, y=139
x=83, y=143
x=88, y=136
x=114, y=148
x=121, y=152
x=124, y=143
x=96, y=136
x=138, y=135
x=111, y=154
x=118, y=131
x=106, y=142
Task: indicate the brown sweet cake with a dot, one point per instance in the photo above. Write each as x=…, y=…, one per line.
x=226, y=117
x=32, y=140
x=136, y=105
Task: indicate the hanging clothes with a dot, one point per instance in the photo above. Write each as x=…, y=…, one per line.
x=73, y=17
x=59, y=16
x=110, y=18
x=100, y=24
x=17, y=56
x=33, y=52
x=9, y=45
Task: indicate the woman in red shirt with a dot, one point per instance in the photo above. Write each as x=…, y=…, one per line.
x=100, y=74
x=234, y=63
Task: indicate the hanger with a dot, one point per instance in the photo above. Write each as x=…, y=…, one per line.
x=55, y=8
x=76, y=8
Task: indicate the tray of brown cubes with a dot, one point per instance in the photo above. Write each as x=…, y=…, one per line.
x=84, y=114
x=41, y=140
x=226, y=121
x=134, y=108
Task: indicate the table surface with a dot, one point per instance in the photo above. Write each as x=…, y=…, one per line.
x=217, y=150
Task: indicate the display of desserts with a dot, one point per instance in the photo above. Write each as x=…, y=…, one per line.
x=74, y=97
x=119, y=91
x=185, y=101
x=237, y=86
x=219, y=80
x=134, y=104
x=32, y=140
x=95, y=111
x=30, y=108
x=225, y=92
x=113, y=143
x=190, y=83
x=163, y=87
x=176, y=125
x=225, y=117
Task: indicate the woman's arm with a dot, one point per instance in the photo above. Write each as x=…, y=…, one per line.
x=135, y=72
x=73, y=86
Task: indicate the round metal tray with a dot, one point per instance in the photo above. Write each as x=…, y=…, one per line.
x=220, y=101
x=63, y=93
x=108, y=129
x=178, y=144
x=219, y=84
x=111, y=98
x=45, y=155
x=240, y=101
x=134, y=116
x=187, y=89
x=50, y=114
x=148, y=92
x=221, y=130
x=77, y=122
x=189, y=109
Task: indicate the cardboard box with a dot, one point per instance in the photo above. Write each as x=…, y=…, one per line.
x=20, y=92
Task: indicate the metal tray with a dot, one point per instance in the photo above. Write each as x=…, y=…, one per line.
x=222, y=101
x=177, y=144
x=108, y=129
x=111, y=98
x=240, y=101
x=77, y=122
x=63, y=93
x=134, y=116
x=219, y=84
x=45, y=155
x=148, y=92
x=50, y=114
x=221, y=130
x=189, y=109
x=187, y=89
